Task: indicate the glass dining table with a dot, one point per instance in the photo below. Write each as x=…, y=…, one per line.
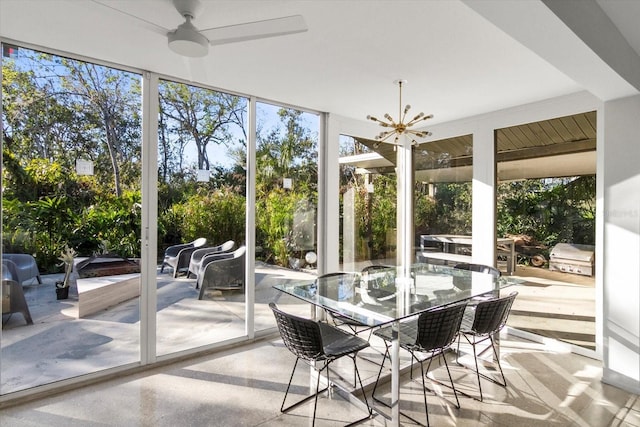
x=389, y=295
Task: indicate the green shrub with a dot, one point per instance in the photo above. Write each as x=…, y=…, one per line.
x=217, y=215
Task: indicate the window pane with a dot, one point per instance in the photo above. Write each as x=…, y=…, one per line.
x=201, y=217
x=442, y=203
x=286, y=204
x=71, y=212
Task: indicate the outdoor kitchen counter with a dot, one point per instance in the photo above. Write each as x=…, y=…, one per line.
x=449, y=241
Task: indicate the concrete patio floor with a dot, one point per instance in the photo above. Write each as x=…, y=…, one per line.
x=58, y=345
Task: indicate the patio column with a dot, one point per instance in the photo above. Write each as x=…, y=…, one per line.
x=404, y=197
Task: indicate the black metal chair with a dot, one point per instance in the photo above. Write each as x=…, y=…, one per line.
x=433, y=332
x=478, y=268
x=313, y=342
x=480, y=324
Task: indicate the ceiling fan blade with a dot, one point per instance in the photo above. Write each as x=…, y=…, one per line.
x=256, y=30
x=148, y=24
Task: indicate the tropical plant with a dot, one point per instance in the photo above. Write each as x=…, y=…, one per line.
x=217, y=215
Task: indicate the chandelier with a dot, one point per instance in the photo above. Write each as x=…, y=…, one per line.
x=400, y=127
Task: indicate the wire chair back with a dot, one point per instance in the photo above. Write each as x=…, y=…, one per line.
x=301, y=336
x=437, y=329
x=491, y=315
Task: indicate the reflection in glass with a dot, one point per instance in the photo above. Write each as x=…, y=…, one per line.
x=442, y=204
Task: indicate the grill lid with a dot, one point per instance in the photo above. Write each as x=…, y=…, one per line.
x=571, y=251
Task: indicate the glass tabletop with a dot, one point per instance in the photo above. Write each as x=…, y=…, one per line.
x=382, y=296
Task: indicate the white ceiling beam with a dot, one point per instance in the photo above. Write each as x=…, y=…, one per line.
x=576, y=37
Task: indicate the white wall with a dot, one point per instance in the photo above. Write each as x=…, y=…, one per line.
x=621, y=248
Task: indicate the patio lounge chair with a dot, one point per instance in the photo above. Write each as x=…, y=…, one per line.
x=178, y=256
x=25, y=267
x=198, y=255
x=13, y=300
x=222, y=271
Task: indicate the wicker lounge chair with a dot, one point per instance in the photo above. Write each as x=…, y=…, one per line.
x=13, y=300
x=222, y=271
x=198, y=255
x=178, y=256
x=25, y=267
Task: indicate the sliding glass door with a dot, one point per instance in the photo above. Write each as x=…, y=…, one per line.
x=202, y=146
x=72, y=216
x=442, y=172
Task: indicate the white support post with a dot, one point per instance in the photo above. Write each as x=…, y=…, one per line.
x=250, y=222
x=148, y=272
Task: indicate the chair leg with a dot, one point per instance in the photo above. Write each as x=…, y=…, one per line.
x=315, y=395
x=282, y=409
x=315, y=403
x=474, y=344
x=451, y=385
x=455, y=393
x=364, y=395
x=318, y=391
x=424, y=386
x=375, y=386
x=475, y=359
x=497, y=357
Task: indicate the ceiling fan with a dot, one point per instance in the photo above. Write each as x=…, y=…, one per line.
x=187, y=40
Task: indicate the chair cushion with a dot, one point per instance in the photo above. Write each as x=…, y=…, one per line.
x=337, y=342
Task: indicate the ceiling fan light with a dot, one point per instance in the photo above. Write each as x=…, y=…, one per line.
x=188, y=42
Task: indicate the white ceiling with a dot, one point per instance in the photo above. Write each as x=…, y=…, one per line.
x=457, y=63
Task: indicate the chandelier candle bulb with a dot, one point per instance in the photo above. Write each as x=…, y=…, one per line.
x=400, y=127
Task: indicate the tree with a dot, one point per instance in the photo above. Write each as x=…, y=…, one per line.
x=193, y=114
x=109, y=100
x=289, y=152
x=35, y=123
x=285, y=218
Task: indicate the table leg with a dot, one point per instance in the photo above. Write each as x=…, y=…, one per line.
x=395, y=376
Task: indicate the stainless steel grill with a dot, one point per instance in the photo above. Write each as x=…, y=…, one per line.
x=572, y=258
